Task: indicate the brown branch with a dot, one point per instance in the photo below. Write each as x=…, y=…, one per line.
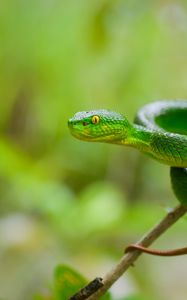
x=128, y=259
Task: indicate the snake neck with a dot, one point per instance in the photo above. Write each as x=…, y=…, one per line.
x=138, y=137
x=167, y=148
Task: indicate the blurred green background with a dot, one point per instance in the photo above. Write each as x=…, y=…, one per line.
x=66, y=201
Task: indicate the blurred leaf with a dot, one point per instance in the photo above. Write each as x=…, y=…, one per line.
x=100, y=206
x=67, y=282
x=107, y=296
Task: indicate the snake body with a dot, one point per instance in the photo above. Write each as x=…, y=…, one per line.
x=159, y=130
x=168, y=123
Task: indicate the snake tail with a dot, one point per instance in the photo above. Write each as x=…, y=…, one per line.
x=174, y=252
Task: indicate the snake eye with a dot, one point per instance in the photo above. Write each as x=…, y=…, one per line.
x=95, y=120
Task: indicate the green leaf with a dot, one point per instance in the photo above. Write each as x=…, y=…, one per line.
x=106, y=296
x=67, y=282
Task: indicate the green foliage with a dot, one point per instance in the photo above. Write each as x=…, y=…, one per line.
x=66, y=283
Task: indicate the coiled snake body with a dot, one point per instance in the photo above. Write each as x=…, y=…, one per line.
x=159, y=130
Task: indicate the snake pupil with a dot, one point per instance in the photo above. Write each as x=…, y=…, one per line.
x=95, y=120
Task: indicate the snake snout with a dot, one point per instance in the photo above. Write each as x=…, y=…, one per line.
x=70, y=123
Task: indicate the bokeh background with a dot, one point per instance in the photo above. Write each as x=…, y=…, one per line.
x=66, y=201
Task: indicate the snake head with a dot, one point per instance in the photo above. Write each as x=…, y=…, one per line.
x=98, y=125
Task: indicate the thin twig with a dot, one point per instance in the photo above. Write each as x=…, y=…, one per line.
x=157, y=252
x=128, y=259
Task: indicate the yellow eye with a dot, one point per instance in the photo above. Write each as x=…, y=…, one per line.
x=95, y=120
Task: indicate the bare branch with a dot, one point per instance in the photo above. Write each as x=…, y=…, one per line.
x=128, y=259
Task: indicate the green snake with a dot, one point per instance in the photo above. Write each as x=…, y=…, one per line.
x=159, y=130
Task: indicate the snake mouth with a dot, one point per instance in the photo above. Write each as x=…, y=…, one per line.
x=79, y=133
x=85, y=135
x=81, y=136
x=88, y=137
